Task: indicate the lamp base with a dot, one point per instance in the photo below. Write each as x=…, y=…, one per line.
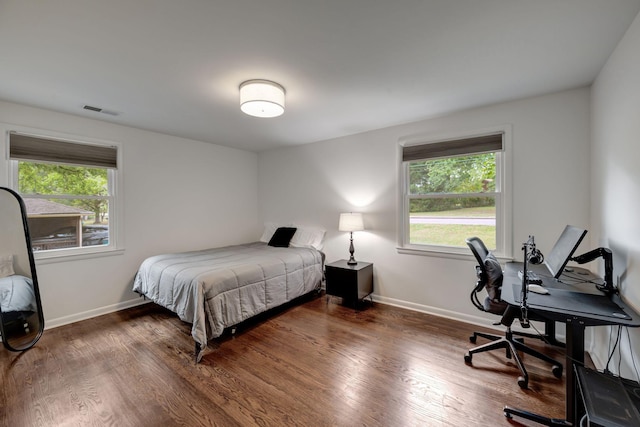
x=352, y=260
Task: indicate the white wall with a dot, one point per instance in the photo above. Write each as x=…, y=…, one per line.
x=179, y=195
x=313, y=183
x=615, y=181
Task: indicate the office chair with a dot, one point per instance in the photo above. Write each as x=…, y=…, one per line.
x=489, y=274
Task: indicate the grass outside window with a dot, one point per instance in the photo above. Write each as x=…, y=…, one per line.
x=453, y=234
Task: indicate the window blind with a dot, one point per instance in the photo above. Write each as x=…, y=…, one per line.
x=473, y=145
x=27, y=147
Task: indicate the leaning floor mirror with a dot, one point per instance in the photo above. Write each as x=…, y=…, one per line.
x=21, y=318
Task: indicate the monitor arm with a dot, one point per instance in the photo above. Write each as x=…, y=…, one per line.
x=607, y=255
x=530, y=252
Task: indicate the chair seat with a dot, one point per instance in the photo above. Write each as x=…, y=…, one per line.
x=495, y=307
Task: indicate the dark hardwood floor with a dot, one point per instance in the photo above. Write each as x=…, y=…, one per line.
x=310, y=364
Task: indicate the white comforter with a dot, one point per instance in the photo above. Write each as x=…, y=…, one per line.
x=217, y=288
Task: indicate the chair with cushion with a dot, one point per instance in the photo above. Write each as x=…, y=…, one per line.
x=489, y=274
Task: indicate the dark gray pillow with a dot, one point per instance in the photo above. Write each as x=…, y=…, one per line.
x=282, y=237
x=494, y=277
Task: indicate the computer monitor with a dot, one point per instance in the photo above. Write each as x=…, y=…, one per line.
x=563, y=250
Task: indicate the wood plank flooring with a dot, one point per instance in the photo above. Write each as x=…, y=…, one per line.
x=315, y=363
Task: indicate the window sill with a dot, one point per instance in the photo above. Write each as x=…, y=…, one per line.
x=73, y=255
x=451, y=253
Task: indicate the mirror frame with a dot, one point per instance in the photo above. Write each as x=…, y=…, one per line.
x=34, y=279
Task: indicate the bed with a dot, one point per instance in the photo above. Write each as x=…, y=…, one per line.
x=214, y=289
x=17, y=302
x=16, y=294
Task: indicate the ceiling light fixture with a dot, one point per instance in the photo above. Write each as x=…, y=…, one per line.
x=261, y=98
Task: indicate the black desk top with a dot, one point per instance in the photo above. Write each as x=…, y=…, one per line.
x=569, y=298
x=575, y=301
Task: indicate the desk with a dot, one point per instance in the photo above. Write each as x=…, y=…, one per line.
x=577, y=306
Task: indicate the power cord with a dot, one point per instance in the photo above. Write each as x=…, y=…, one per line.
x=620, y=351
x=612, y=350
x=583, y=420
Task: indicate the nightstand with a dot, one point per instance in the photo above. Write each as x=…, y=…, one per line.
x=350, y=282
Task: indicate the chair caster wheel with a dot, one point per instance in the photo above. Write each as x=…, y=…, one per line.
x=472, y=339
x=523, y=383
x=467, y=358
x=508, y=415
x=557, y=371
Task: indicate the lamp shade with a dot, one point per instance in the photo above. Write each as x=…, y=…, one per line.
x=351, y=222
x=261, y=98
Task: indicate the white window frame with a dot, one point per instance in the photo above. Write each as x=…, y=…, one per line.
x=503, y=195
x=116, y=226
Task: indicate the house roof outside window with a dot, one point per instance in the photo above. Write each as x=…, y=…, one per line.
x=42, y=207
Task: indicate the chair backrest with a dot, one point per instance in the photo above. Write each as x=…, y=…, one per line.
x=479, y=250
x=492, y=303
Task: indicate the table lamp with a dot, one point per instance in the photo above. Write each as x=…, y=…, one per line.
x=351, y=222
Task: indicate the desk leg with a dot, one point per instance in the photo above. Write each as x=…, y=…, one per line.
x=575, y=355
x=550, y=333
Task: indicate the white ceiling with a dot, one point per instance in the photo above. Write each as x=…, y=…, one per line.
x=348, y=65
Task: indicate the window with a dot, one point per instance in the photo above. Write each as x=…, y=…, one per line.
x=453, y=189
x=69, y=192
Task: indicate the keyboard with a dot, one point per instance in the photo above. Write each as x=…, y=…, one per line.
x=532, y=278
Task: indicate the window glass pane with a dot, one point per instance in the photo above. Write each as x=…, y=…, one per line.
x=56, y=179
x=77, y=213
x=449, y=221
x=453, y=175
x=64, y=223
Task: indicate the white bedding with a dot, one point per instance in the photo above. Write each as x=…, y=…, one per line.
x=16, y=294
x=217, y=288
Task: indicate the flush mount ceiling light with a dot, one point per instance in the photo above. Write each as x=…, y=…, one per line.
x=261, y=98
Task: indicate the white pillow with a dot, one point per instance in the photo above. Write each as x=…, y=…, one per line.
x=6, y=265
x=308, y=237
x=269, y=229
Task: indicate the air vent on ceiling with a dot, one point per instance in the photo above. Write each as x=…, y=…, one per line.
x=100, y=110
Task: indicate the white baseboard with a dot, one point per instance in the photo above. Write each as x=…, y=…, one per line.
x=462, y=317
x=475, y=320
x=60, y=321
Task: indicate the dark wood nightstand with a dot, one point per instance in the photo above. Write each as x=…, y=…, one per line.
x=350, y=282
